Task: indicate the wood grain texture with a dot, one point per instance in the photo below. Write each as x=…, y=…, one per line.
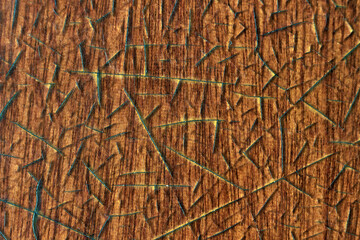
x=181, y=119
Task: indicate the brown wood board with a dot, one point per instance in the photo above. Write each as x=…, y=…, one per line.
x=182, y=119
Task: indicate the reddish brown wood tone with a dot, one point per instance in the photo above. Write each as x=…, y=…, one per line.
x=181, y=119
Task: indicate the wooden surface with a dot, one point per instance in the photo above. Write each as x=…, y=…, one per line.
x=183, y=119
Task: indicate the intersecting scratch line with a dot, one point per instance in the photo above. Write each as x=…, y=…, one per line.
x=148, y=131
